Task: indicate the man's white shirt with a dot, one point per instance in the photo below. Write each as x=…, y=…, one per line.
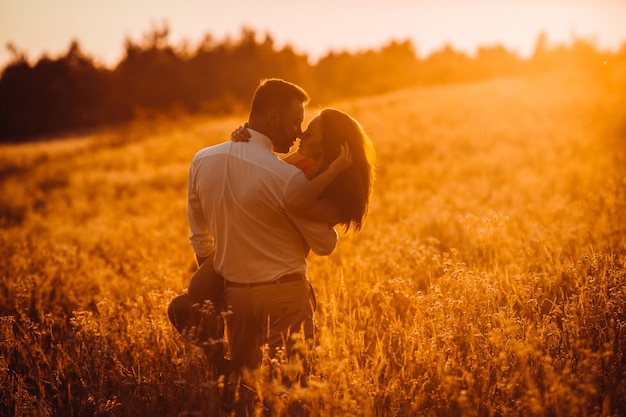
x=236, y=198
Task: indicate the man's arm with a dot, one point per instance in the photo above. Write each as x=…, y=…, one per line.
x=199, y=236
x=320, y=236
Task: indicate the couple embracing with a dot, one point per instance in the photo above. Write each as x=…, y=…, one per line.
x=254, y=218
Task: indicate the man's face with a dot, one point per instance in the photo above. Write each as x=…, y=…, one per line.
x=288, y=127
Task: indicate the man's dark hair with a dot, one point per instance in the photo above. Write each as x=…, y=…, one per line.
x=274, y=93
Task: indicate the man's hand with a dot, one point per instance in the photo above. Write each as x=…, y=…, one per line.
x=240, y=134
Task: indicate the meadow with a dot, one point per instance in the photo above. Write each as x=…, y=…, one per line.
x=488, y=279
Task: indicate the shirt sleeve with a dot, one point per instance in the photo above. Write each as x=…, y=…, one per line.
x=199, y=234
x=321, y=237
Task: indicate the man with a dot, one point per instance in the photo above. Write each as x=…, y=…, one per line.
x=236, y=206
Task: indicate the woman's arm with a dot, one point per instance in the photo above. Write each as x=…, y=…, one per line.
x=241, y=134
x=305, y=200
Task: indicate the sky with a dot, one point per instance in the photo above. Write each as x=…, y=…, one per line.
x=38, y=27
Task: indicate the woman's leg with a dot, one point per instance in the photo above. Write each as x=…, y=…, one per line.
x=206, y=284
x=196, y=314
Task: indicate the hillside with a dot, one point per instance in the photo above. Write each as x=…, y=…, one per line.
x=488, y=279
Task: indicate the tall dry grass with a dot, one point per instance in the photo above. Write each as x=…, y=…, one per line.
x=487, y=281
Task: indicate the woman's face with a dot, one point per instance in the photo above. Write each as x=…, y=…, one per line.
x=311, y=140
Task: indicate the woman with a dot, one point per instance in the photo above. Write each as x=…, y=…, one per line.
x=337, y=156
x=341, y=182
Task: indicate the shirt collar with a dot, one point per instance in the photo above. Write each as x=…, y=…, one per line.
x=258, y=137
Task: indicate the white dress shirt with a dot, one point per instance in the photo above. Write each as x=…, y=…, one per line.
x=236, y=201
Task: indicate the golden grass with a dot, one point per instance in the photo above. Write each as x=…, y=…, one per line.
x=488, y=279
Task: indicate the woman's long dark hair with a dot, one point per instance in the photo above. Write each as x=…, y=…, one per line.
x=350, y=192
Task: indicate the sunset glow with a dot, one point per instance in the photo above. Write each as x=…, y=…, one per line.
x=480, y=169
x=38, y=27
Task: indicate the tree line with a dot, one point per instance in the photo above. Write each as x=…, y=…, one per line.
x=72, y=93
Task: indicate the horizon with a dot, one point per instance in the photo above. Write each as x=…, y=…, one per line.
x=430, y=26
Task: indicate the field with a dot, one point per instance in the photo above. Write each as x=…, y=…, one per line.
x=488, y=279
